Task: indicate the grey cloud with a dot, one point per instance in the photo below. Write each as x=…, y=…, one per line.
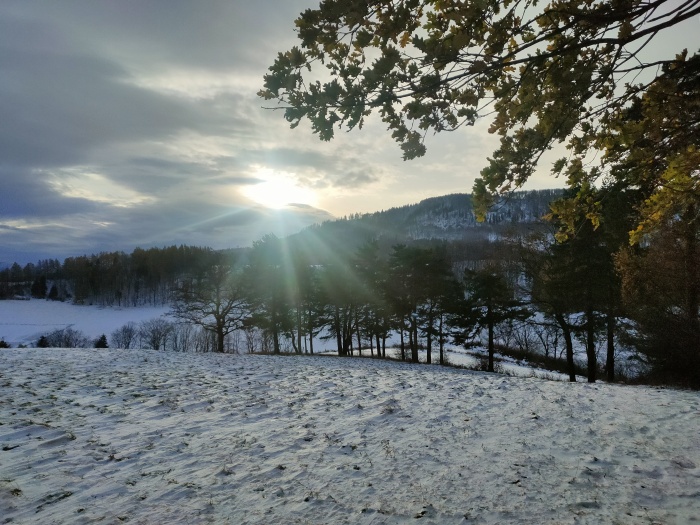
x=69, y=105
x=355, y=179
x=316, y=168
x=74, y=95
x=208, y=33
x=28, y=194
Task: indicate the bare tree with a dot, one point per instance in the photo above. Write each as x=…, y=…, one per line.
x=154, y=333
x=124, y=336
x=215, y=302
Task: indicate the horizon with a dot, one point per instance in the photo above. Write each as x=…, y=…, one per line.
x=6, y=264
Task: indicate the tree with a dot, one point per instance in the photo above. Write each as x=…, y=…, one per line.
x=548, y=72
x=406, y=292
x=216, y=302
x=38, y=289
x=124, y=336
x=438, y=291
x=372, y=273
x=268, y=289
x=661, y=288
x=494, y=299
x=342, y=288
x=4, y=344
x=651, y=189
x=547, y=266
x=154, y=333
x=65, y=338
x=649, y=152
x=101, y=342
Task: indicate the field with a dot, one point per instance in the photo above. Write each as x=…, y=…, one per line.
x=147, y=437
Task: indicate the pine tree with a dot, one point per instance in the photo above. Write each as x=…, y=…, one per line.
x=494, y=299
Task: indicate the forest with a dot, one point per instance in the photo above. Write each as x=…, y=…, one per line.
x=360, y=282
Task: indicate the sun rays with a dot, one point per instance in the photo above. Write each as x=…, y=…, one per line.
x=278, y=189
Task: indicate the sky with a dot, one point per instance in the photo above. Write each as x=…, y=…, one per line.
x=136, y=123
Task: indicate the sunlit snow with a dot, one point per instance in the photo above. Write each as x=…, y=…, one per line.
x=111, y=436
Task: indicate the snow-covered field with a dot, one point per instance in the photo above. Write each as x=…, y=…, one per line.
x=147, y=437
x=23, y=322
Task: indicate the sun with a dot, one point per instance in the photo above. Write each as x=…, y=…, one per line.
x=278, y=189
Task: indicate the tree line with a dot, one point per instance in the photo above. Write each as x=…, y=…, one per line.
x=544, y=73
x=540, y=295
x=534, y=296
x=143, y=277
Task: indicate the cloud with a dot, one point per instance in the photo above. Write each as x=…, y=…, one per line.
x=137, y=123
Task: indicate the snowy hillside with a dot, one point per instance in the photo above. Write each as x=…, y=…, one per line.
x=91, y=436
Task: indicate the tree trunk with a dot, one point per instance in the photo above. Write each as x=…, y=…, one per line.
x=590, y=346
x=566, y=330
x=489, y=321
x=691, y=268
x=276, y=340
x=429, y=340
x=403, y=346
x=220, y=336
x=338, y=331
x=441, y=342
x=311, y=338
x=414, y=340
x=610, y=361
x=299, y=328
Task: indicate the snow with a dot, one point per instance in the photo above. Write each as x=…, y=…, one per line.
x=146, y=437
x=23, y=322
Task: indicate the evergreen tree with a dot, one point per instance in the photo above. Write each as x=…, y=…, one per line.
x=101, y=342
x=661, y=284
x=494, y=300
x=268, y=289
x=39, y=288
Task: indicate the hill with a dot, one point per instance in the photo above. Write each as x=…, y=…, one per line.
x=449, y=218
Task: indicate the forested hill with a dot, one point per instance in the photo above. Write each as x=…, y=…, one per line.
x=446, y=218
x=148, y=276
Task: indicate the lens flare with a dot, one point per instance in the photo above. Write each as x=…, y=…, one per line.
x=278, y=189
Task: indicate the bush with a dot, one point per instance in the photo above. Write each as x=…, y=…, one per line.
x=155, y=333
x=64, y=338
x=3, y=344
x=125, y=336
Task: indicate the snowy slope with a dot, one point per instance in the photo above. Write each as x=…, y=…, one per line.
x=145, y=437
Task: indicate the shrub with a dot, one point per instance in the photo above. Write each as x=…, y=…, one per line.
x=64, y=338
x=125, y=336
